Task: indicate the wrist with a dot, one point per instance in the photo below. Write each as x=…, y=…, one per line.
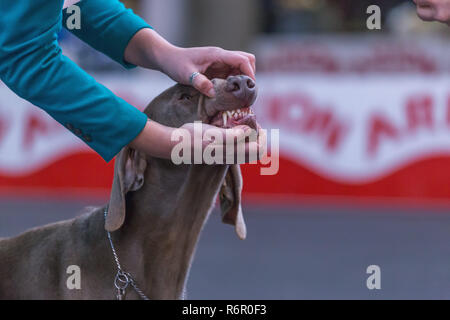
x=154, y=140
x=149, y=50
x=163, y=54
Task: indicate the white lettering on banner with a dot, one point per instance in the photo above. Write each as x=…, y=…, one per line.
x=346, y=128
x=343, y=54
x=356, y=130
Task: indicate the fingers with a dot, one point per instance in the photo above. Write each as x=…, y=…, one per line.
x=256, y=149
x=235, y=135
x=217, y=62
x=241, y=132
x=249, y=146
x=251, y=58
x=426, y=12
x=239, y=61
x=262, y=143
x=240, y=144
x=204, y=85
x=430, y=10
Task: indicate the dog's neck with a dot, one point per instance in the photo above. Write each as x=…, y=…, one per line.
x=163, y=223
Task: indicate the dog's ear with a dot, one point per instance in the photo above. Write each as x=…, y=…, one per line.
x=230, y=200
x=128, y=176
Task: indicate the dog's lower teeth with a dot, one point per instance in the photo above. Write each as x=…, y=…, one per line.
x=235, y=115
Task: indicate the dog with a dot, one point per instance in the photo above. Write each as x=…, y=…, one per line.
x=154, y=216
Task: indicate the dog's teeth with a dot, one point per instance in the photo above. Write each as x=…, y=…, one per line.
x=224, y=118
x=229, y=114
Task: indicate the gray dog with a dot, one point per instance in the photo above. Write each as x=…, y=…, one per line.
x=155, y=215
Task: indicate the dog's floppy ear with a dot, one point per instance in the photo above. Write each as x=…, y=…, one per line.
x=230, y=200
x=128, y=176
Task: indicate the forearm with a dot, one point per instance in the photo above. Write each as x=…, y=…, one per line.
x=154, y=140
x=148, y=49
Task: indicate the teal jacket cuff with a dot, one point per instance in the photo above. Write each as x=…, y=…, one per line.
x=107, y=26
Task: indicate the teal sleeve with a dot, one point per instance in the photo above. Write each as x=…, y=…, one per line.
x=32, y=65
x=107, y=26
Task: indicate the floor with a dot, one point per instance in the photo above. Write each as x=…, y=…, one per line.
x=298, y=252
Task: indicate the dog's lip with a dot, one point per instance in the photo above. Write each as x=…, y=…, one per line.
x=231, y=118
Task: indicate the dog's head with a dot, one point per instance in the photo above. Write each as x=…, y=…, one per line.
x=230, y=107
x=175, y=107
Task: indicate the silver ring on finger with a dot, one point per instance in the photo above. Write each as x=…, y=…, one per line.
x=192, y=77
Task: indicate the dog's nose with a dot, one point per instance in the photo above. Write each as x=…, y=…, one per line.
x=243, y=88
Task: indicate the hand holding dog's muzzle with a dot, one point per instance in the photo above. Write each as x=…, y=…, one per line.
x=240, y=144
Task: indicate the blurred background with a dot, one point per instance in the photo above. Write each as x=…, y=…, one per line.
x=364, y=143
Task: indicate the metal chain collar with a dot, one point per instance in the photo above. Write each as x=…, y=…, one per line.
x=123, y=279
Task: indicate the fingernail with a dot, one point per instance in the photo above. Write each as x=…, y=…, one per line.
x=211, y=92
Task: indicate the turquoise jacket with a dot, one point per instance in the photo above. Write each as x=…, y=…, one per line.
x=32, y=65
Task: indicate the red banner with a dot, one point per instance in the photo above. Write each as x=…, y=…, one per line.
x=375, y=139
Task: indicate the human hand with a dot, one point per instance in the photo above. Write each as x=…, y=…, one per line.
x=210, y=62
x=237, y=145
x=433, y=10
x=158, y=141
x=149, y=50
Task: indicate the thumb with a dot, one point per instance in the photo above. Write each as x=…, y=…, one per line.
x=204, y=85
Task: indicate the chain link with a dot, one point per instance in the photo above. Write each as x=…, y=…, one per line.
x=122, y=279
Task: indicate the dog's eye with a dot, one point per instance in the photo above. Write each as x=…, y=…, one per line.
x=185, y=96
